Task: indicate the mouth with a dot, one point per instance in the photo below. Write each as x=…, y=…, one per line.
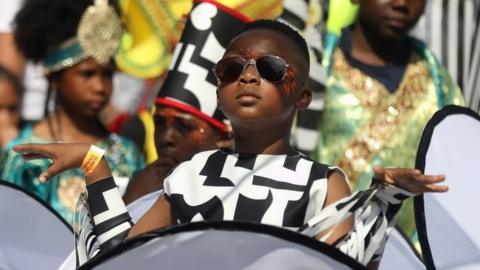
x=247, y=97
x=166, y=161
x=397, y=23
x=97, y=104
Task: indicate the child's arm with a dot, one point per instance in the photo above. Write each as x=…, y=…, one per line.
x=337, y=189
x=110, y=218
x=374, y=212
x=159, y=216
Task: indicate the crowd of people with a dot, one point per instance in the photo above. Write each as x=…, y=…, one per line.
x=221, y=125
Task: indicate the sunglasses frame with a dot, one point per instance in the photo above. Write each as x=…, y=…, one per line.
x=253, y=62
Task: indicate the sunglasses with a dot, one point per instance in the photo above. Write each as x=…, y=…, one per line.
x=270, y=67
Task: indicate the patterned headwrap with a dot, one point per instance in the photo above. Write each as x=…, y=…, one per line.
x=190, y=84
x=98, y=36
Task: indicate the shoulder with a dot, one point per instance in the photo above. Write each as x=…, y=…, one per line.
x=24, y=136
x=198, y=161
x=321, y=170
x=196, y=164
x=14, y=165
x=207, y=154
x=447, y=89
x=188, y=174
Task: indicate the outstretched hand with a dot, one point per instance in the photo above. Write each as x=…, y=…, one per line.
x=64, y=156
x=411, y=180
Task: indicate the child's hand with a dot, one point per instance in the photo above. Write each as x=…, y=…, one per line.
x=64, y=156
x=411, y=180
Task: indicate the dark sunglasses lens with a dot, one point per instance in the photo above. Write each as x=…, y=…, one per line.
x=271, y=68
x=227, y=70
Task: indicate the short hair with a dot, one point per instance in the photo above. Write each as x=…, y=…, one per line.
x=281, y=28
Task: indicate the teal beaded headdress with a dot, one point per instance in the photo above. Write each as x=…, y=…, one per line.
x=98, y=36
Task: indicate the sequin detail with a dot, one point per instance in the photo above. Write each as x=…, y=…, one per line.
x=384, y=109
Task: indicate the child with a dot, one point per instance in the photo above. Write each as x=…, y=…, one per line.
x=261, y=86
x=187, y=119
x=79, y=72
x=178, y=136
x=383, y=87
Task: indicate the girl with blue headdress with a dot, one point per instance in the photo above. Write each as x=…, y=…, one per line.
x=75, y=41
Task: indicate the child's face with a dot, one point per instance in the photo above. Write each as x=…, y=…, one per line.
x=390, y=19
x=85, y=88
x=9, y=104
x=257, y=97
x=179, y=135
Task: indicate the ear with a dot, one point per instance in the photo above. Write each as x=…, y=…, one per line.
x=304, y=98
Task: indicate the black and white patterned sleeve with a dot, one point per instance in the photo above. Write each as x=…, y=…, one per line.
x=102, y=221
x=373, y=210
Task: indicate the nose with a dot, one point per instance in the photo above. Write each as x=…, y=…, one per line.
x=249, y=75
x=101, y=86
x=166, y=137
x=401, y=5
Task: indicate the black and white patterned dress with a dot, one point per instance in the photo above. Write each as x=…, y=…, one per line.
x=280, y=190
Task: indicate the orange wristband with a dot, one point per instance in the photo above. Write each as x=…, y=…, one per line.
x=92, y=159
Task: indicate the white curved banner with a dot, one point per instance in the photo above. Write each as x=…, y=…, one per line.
x=223, y=245
x=449, y=227
x=32, y=235
x=399, y=255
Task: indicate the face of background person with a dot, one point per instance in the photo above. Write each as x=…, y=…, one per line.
x=389, y=19
x=85, y=88
x=252, y=101
x=179, y=135
x=9, y=104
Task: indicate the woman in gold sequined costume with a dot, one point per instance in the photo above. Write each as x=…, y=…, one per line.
x=76, y=42
x=382, y=88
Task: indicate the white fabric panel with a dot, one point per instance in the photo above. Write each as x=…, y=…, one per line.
x=31, y=236
x=221, y=249
x=452, y=218
x=398, y=254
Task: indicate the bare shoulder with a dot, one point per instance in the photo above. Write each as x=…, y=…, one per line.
x=337, y=187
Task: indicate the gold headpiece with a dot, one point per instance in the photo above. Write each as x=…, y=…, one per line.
x=98, y=36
